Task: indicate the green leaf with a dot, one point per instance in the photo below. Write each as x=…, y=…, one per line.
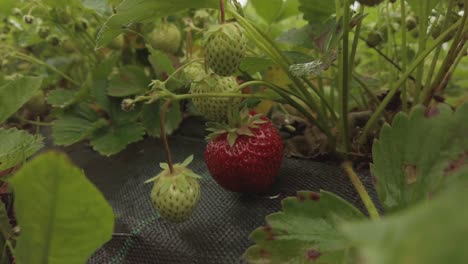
x=15, y=93
x=134, y=11
x=100, y=82
x=160, y=61
x=100, y=7
x=164, y=166
x=115, y=139
x=60, y=97
x=269, y=10
x=150, y=118
x=253, y=65
x=83, y=110
x=152, y=179
x=416, y=156
x=290, y=9
x=430, y=233
x=187, y=161
x=231, y=138
x=321, y=36
x=304, y=231
x=165, y=186
x=63, y=217
x=68, y=129
x=192, y=174
x=317, y=11
x=129, y=81
x=16, y=146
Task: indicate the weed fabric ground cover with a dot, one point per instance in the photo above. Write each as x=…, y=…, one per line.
x=219, y=228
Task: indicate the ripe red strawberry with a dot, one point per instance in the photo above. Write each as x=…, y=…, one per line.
x=245, y=159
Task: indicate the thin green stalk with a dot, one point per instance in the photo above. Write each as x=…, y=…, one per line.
x=455, y=63
x=31, y=59
x=287, y=94
x=332, y=91
x=181, y=68
x=365, y=103
x=451, y=55
x=387, y=59
x=366, y=89
x=32, y=122
x=404, y=61
x=345, y=79
x=293, y=101
x=357, y=33
x=361, y=190
x=355, y=99
x=421, y=47
x=270, y=48
x=390, y=32
x=162, y=114
x=427, y=83
x=322, y=90
x=419, y=59
x=323, y=100
x=225, y=95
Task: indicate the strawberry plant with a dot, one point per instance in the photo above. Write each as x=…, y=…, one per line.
x=418, y=188
x=312, y=79
x=55, y=210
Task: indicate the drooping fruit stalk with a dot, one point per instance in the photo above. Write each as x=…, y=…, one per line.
x=163, y=135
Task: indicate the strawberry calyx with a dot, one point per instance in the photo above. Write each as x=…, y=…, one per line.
x=242, y=127
x=165, y=179
x=230, y=29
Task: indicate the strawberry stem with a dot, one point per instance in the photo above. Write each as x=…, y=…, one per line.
x=163, y=134
x=366, y=200
x=189, y=44
x=223, y=14
x=180, y=69
x=222, y=95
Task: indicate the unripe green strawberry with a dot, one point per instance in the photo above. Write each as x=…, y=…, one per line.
x=215, y=108
x=370, y=2
x=166, y=37
x=29, y=19
x=54, y=40
x=374, y=38
x=411, y=23
x=43, y=32
x=176, y=194
x=225, y=47
x=81, y=25
x=17, y=12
